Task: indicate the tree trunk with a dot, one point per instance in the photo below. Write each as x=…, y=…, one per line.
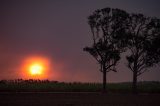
x=134, y=85
x=104, y=79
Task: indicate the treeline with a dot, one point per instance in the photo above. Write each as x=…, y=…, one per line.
x=16, y=81
x=32, y=81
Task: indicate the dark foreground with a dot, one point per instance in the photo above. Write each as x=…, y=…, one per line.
x=78, y=99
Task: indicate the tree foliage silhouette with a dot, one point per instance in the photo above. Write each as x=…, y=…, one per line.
x=107, y=27
x=153, y=51
x=114, y=31
x=141, y=31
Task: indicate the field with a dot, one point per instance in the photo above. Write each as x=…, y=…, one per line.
x=20, y=85
x=77, y=99
x=52, y=93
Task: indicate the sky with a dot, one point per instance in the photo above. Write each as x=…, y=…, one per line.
x=58, y=30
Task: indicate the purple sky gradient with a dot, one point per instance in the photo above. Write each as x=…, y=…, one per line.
x=58, y=29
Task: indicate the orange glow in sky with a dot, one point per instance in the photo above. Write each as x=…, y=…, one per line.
x=35, y=68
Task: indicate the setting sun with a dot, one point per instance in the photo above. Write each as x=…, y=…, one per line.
x=36, y=68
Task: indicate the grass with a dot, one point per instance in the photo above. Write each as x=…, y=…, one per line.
x=54, y=86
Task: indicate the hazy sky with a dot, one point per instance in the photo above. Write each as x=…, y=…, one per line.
x=58, y=30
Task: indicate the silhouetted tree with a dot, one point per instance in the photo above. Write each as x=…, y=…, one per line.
x=153, y=51
x=107, y=27
x=141, y=32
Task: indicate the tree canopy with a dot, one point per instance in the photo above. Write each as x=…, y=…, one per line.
x=106, y=26
x=115, y=31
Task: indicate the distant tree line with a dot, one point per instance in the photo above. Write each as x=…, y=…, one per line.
x=32, y=81
x=16, y=81
x=115, y=31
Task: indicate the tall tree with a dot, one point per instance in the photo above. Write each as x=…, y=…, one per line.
x=153, y=51
x=107, y=27
x=141, y=32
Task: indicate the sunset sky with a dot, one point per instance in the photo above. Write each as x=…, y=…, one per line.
x=57, y=31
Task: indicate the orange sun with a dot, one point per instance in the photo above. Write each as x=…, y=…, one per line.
x=35, y=68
